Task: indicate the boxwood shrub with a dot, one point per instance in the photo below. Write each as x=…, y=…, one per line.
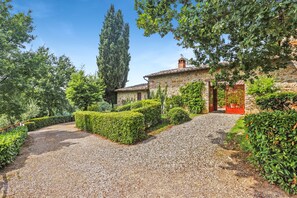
x=123, y=127
x=151, y=109
x=173, y=101
x=10, y=144
x=31, y=126
x=178, y=115
x=38, y=123
x=152, y=114
x=273, y=138
x=277, y=101
x=126, y=107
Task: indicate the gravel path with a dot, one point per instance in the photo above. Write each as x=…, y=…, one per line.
x=185, y=161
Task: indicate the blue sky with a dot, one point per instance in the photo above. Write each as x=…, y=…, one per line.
x=72, y=27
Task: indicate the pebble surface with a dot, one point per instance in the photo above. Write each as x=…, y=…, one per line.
x=185, y=161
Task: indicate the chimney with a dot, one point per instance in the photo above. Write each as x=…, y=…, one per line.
x=181, y=63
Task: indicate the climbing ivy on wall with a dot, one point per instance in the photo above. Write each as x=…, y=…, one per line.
x=192, y=96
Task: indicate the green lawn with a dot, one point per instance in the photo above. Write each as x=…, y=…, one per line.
x=192, y=115
x=237, y=138
x=164, y=125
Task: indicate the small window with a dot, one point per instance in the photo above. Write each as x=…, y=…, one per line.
x=139, y=96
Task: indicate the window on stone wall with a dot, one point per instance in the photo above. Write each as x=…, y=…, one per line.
x=139, y=96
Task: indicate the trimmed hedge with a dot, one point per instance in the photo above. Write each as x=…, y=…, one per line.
x=31, y=126
x=152, y=114
x=151, y=109
x=277, y=101
x=38, y=123
x=136, y=105
x=10, y=144
x=126, y=107
x=173, y=101
x=273, y=138
x=178, y=115
x=123, y=127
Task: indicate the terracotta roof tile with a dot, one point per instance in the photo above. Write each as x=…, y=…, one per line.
x=178, y=70
x=140, y=87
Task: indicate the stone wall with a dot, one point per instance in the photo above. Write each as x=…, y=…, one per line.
x=130, y=95
x=286, y=80
x=177, y=80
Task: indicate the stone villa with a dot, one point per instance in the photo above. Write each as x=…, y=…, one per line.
x=175, y=78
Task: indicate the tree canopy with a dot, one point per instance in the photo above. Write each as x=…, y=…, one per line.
x=248, y=35
x=32, y=83
x=48, y=84
x=114, y=58
x=84, y=90
x=15, y=31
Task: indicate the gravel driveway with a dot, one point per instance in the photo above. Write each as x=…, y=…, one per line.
x=185, y=161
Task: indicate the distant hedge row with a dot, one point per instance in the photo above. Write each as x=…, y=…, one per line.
x=124, y=127
x=273, y=137
x=38, y=123
x=277, y=101
x=10, y=144
x=151, y=109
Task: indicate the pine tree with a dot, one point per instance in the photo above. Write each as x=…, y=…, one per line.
x=113, y=60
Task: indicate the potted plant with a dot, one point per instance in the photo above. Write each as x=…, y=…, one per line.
x=232, y=100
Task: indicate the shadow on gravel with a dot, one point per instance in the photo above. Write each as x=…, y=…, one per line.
x=218, y=140
x=53, y=140
x=39, y=142
x=150, y=138
x=239, y=164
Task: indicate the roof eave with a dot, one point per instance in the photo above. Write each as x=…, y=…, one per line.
x=178, y=72
x=128, y=90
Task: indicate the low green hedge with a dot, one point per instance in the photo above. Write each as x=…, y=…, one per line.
x=38, y=123
x=10, y=144
x=273, y=138
x=151, y=109
x=178, y=115
x=136, y=105
x=277, y=101
x=173, y=101
x=126, y=107
x=152, y=114
x=123, y=127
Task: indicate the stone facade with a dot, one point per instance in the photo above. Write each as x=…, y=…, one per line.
x=174, y=81
x=286, y=80
x=123, y=97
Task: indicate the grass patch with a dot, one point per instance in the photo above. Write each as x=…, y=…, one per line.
x=193, y=115
x=164, y=125
x=237, y=137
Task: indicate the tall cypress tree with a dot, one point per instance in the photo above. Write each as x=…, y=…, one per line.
x=114, y=58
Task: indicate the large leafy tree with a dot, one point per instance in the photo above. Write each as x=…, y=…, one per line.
x=31, y=82
x=84, y=90
x=113, y=60
x=15, y=31
x=49, y=82
x=249, y=35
